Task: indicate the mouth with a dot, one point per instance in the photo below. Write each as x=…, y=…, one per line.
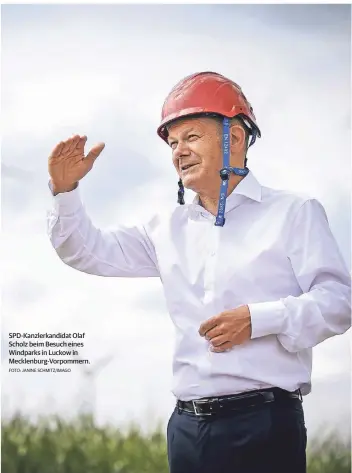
x=187, y=166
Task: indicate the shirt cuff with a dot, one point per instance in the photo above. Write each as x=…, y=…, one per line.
x=267, y=318
x=66, y=203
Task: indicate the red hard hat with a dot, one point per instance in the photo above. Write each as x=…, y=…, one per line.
x=206, y=93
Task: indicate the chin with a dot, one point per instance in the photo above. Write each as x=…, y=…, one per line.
x=191, y=182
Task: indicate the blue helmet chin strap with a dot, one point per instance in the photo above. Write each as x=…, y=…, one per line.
x=226, y=170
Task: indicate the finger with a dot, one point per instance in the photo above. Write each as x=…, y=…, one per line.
x=214, y=332
x=67, y=145
x=94, y=153
x=75, y=140
x=224, y=347
x=219, y=340
x=207, y=325
x=57, y=150
x=82, y=142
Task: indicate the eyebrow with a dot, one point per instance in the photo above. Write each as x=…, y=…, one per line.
x=188, y=130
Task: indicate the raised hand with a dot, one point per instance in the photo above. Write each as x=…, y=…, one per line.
x=68, y=164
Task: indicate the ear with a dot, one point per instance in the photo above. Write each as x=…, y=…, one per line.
x=238, y=138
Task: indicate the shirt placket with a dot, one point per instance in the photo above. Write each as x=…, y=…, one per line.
x=210, y=287
x=210, y=264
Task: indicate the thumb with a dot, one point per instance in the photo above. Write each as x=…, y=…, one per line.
x=94, y=153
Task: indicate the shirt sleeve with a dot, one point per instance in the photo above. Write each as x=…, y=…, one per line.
x=124, y=252
x=324, y=307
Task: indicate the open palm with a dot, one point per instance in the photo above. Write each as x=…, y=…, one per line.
x=68, y=164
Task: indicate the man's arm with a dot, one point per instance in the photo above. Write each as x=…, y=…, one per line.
x=126, y=252
x=324, y=308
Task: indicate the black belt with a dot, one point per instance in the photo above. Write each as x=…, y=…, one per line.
x=215, y=405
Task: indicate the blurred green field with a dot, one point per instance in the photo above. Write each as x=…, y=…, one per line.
x=53, y=445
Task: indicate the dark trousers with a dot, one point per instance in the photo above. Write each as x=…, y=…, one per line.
x=270, y=438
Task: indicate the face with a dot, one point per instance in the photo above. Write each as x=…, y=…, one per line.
x=197, y=152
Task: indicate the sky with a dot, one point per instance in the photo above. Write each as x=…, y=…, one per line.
x=104, y=71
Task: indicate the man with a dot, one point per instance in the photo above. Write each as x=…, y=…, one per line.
x=253, y=280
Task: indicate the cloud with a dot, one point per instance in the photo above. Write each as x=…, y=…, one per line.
x=13, y=172
x=334, y=393
x=24, y=292
x=303, y=19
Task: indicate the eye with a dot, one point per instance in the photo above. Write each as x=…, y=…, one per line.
x=173, y=144
x=192, y=137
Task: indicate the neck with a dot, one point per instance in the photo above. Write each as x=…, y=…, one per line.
x=210, y=199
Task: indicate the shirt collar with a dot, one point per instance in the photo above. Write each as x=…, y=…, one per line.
x=248, y=187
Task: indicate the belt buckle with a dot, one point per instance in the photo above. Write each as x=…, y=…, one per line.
x=198, y=401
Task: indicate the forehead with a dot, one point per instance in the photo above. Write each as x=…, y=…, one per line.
x=183, y=125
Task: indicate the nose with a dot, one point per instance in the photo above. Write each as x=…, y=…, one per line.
x=181, y=150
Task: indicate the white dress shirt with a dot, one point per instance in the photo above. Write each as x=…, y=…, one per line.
x=275, y=253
